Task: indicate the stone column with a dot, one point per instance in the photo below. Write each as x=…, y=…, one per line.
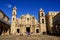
x=24, y=30
x=31, y=30
x=35, y=28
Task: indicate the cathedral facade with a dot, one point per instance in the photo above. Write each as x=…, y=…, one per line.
x=27, y=24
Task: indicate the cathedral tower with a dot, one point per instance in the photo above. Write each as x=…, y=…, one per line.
x=42, y=21
x=13, y=24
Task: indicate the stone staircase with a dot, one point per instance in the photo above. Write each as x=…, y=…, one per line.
x=29, y=37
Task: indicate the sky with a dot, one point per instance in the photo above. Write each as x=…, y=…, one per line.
x=29, y=6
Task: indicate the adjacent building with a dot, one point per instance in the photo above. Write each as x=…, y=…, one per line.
x=49, y=21
x=4, y=23
x=56, y=24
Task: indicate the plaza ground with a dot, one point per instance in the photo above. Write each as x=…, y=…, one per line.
x=29, y=37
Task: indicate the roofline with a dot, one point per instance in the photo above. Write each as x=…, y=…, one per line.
x=4, y=14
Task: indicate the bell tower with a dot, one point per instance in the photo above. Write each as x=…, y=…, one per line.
x=13, y=24
x=42, y=21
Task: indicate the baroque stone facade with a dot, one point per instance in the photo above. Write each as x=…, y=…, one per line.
x=27, y=24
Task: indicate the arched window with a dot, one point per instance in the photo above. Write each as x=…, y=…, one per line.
x=37, y=30
x=28, y=19
x=33, y=17
x=42, y=14
x=42, y=20
x=13, y=19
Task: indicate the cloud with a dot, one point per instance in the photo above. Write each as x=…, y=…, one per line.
x=9, y=5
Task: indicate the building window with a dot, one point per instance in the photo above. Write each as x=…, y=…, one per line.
x=37, y=30
x=33, y=17
x=42, y=14
x=17, y=30
x=42, y=20
x=27, y=18
x=13, y=18
x=18, y=26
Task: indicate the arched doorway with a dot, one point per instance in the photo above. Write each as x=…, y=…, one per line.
x=18, y=30
x=28, y=30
